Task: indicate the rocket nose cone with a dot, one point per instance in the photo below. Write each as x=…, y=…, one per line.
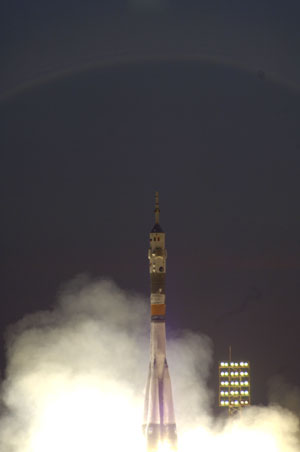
x=157, y=228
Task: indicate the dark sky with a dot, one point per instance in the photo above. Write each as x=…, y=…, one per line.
x=102, y=104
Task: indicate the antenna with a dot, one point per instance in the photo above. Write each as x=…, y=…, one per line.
x=157, y=209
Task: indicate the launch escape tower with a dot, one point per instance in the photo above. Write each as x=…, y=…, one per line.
x=159, y=424
x=234, y=385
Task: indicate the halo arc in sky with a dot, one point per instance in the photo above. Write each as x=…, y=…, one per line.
x=125, y=58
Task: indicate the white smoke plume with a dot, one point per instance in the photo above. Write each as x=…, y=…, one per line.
x=76, y=374
x=284, y=394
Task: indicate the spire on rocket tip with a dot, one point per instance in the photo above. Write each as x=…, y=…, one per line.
x=157, y=227
x=157, y=209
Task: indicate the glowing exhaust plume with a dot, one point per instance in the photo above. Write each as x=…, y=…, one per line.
x=75, y=382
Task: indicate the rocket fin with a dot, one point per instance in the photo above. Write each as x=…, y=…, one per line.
x=169, y=414
x=169, y=425
x=152, y=420
x=151, y=407
x=147, y=399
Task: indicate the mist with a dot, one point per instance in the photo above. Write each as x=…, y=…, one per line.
x=75, y=382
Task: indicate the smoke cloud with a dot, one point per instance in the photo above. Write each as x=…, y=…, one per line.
x=284, y=394
x=75, y=381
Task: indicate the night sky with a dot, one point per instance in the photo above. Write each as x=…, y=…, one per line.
x=101, y=105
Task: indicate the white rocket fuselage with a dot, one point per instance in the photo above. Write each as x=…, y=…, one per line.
x=159, y=418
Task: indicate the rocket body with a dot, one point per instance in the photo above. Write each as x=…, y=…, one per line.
x=159, y=418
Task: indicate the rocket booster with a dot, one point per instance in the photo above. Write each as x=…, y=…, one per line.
x=159, y=418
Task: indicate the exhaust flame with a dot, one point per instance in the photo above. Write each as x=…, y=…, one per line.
x=164, y=447
x=75, y=381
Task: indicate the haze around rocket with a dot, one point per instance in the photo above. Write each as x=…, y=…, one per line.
x=75, y=381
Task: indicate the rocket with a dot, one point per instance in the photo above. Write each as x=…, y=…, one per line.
x=159, y=425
